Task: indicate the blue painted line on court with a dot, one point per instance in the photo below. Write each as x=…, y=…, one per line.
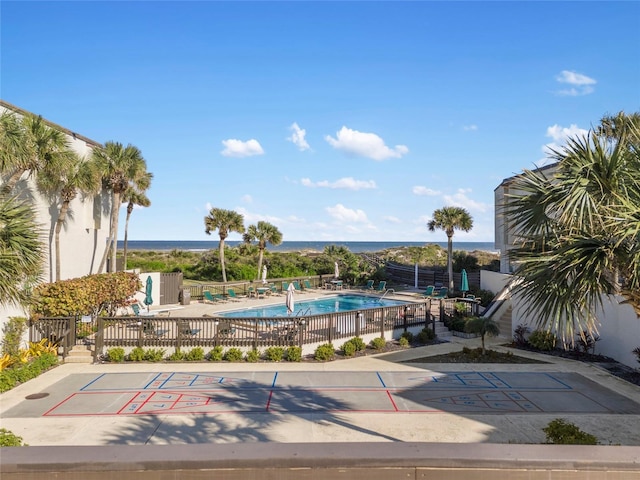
x=275, y=379
x=381, y=380
x=151, y=381
x=559, y=381
x=488, y=380
x=501, y=380
x=92, y=382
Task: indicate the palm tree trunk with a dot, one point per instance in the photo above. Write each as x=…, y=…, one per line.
x=13, y=179
x=114, y=245
x=260, y=256
x=107, y=248
x=221, y=251
x=126, y=234
x=450, y=261
x=61, y=218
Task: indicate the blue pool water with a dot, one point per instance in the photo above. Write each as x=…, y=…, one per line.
x=330, y=304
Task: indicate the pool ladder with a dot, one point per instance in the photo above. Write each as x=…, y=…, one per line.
x=387, y=291
x=302, y=313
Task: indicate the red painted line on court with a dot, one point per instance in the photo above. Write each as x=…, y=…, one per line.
x=395, y=407
x=269, y=400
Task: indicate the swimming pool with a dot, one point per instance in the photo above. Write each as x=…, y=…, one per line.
x=317, y=306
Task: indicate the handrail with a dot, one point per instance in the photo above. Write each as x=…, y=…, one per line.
x=387, y=291
x=303, y=313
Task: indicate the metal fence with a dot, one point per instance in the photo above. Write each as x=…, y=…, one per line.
x=256, y=333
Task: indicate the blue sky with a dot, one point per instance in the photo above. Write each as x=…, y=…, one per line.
x=334, y=121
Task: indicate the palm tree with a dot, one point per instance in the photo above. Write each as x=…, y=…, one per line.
x=482, y=326
x=579, y=229
x=264, y=233
x=135, y=195
x=450, y=219
x=63, y=178
x=224, y=221
x=121, y=167
x=13, y=145
x=21, y=250
x=41, y=144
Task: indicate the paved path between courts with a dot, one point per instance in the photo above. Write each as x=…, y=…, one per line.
x=373, y=398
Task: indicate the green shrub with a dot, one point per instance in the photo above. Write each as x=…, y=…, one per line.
x=359, y=344
x=196, y=354
x=176, y=356
x=348, y=348
x=115, y=355
x=215, y=355
x=378, y=343
x=154, y=354
x=403, y=342
x=252, y=356
x=543, y=340
x=294, y=354
x=20, y=373
x=234, y=354
x=560, y=432
x=274, y=354
x=10, y=439
x=136, y=355
x=12, y=333
x=426, y=335
x=408, y=336
x=324, y=352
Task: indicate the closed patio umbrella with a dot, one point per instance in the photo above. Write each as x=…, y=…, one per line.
x=464, y=284
x=336, y=270
x=289, y=302
x=148, y=300
x=264, y=274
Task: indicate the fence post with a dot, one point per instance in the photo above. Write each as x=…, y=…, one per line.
x=357, y=322
x=99, y=339
x=255, y=335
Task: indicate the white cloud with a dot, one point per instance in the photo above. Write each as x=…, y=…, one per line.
x=460, y=199
x=348, y=183
x=580, y=84
x=559, y=136
x=392, y=219
x=470, y=128
x=424, y=191
x=247, y=198
x=208, y=206
x=297, y=137
x=239, y=149
x=362, y=144
x=343, y=214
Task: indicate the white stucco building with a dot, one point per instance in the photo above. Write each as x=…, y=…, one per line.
x=618, y=325
x=84, y=235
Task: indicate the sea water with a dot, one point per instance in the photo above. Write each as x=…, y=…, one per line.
x=354, y=247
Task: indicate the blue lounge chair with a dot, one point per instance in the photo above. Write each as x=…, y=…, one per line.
x=231, y=293
x=382, y=287
x=369, y=285
x=296, y=284
x=307, y=285
x=212, y=298
x=442, y=293
x=428, y=291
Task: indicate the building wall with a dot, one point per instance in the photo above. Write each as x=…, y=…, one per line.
x=83, y=237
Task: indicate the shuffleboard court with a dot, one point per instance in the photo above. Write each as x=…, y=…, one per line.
x=167, y=393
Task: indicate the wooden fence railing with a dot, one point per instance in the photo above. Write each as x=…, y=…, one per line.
x=58, y=330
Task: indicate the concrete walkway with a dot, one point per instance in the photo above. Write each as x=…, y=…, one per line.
x=376, y=398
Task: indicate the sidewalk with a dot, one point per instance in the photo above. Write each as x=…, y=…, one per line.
x=307, y=402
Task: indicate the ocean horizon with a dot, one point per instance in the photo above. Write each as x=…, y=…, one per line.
x=293, y=246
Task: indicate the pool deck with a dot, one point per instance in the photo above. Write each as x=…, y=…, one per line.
x=198, y=308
